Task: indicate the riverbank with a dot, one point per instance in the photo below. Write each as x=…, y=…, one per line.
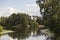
x=5, y=31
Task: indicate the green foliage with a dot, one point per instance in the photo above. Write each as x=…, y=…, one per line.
x=1, y=28
x=20, y=22
x=39, y=20
x=19, y=18
x=3, y=21
x=33, y=26
x=51, y=15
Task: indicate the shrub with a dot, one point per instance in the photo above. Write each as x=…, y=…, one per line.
x=1, y=28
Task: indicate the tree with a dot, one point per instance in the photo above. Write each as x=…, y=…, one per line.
x=50, y=10
x=39, y=20
x=33, y=26
x=3, y=21
x=19, y=18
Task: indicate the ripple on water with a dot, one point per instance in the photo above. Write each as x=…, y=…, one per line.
x=5, y=37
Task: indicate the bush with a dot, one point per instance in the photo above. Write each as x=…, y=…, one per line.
x=1, y=28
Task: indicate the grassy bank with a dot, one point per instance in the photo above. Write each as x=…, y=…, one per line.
x=5, y=31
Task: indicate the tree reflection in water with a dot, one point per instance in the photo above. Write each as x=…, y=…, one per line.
x=18, y=35
x=24, y=36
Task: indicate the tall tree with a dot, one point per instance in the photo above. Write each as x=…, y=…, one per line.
x=50, y=10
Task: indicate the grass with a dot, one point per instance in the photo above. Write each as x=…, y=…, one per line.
x=5, y=31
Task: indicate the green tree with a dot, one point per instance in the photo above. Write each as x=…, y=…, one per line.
x=19, y=18
x=3, y=21
x=50, y=10
x=33, y=26
x=39, y=20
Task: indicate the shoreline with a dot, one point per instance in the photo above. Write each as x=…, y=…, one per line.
x=6, y=31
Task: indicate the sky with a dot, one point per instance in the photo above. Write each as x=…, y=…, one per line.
x=7, y=7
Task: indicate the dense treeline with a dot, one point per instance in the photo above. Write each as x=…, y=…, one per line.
x=20, y=22
x=50, y=10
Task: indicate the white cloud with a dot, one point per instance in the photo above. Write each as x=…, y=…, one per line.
x=3, y=11
x=6, y=11
x=12, y=10
x=33, y=9
x=30, y=9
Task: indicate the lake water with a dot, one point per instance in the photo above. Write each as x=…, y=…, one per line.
x=17, y=36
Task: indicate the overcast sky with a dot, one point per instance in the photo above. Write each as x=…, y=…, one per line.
x=7, y=7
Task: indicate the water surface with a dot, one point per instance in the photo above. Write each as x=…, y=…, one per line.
x=19, y=36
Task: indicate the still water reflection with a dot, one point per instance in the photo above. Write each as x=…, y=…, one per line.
x=19, y=36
